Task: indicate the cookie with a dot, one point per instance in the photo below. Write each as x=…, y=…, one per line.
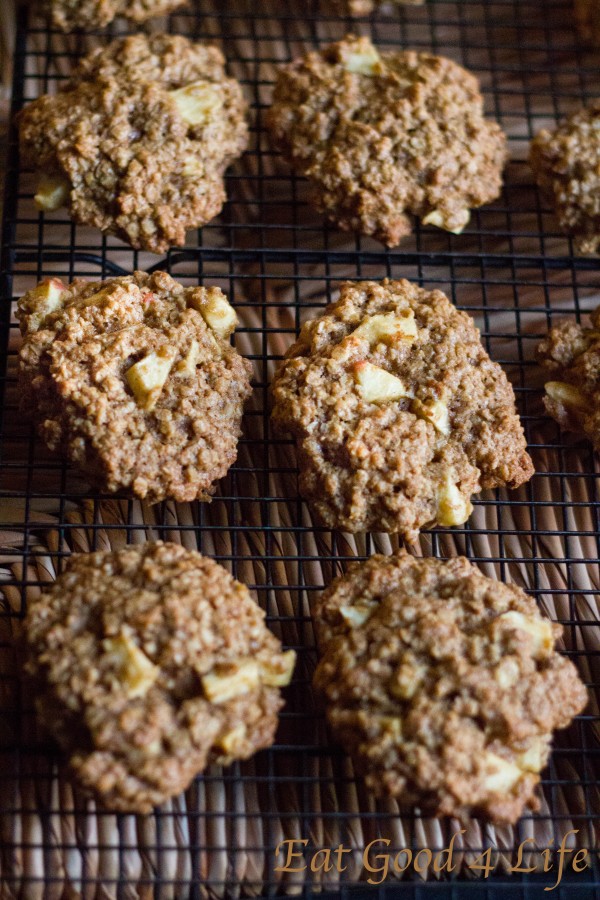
x=571, y=353
x=443, y=685
x=384, y=136
x=149, y=663
x=399, y=415
x=86, y=14
x=587, y=17
x=134, y=380
x=137, y=141
x=566, y=165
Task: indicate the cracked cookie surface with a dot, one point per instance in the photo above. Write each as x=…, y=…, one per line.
x=566, y=165
x=136, y=143
x=385, y=136
x=71, y=14
x=443, y=685
x=134, y=380
x=150, y=663
x=571, y=353
x=399, y=414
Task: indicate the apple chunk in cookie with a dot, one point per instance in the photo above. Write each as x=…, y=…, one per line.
x=135, y=381
x=399, y=415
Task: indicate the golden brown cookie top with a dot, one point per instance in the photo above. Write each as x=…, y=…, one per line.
x=151, y=662
x=385, y=135
x=136, y=143
x=444, y=685
x=135, y=381
x=398, y=412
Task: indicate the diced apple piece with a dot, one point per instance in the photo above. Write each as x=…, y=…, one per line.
x=540, y=631
x=407, y=678
x=217, y=312
x=534, y=758
x=387, y=327
x=147, y=377
x=564, y=393
x=453, y=507
x=501, y=775
x=187, y=367
x=434, y=411
x=390, y=725
x=456, y=225
x=47, y=298
x=507, y=673
x=363, y=62
x=52, y=193
x=375, y=385
x=219, y=687
x=137, y=672
x=193, y=168
x=231, y=741
x=358, y=614
x=197, y=102
x=219, y=315
x=280, y=674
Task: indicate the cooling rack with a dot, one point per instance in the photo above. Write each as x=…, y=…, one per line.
x=272, y=254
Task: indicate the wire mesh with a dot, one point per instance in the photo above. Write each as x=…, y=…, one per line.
x=279, y=263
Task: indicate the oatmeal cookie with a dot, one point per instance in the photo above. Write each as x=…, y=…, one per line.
x=443, y=685
x=149, y=663
x=382, y=136
x=137, y=142
x=69, y=15
x=399, y=414
x=134, y=380
x=566, y=165
x=571, y=353
x=587, y=16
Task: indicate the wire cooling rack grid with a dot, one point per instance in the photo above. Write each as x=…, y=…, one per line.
x=279, y=263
